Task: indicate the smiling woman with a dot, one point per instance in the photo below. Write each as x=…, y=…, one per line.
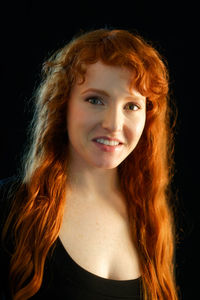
x=109, y=118
x=90, y=216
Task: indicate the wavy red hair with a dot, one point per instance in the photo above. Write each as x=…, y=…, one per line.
x=145, y=175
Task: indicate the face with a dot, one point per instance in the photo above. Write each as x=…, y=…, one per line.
x=104, y=106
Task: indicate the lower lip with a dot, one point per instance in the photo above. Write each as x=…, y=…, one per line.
x=107, y=148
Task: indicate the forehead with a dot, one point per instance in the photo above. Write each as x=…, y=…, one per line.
x=110, y=78
x=102, y=71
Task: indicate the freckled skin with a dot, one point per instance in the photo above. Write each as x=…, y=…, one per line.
x=113, y=117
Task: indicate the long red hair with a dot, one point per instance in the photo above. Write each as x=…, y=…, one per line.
x=145, y=175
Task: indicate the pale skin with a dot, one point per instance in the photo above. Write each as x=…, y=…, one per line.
x=95, y=229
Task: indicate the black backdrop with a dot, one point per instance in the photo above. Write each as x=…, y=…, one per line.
x=31, y=31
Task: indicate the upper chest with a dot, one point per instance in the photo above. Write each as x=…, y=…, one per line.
x=98, y=238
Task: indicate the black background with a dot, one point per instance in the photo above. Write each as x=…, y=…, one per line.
x=31, y=31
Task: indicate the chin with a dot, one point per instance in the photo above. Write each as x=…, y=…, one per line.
x=106, y=165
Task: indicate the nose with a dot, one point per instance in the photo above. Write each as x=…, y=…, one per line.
x=113, y=120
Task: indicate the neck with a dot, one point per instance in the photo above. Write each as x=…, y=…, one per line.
x=93, y=182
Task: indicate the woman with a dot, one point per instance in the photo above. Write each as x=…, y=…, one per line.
x=91, y=216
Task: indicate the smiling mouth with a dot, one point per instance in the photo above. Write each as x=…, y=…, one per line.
x=108, y=148
x=107, y=142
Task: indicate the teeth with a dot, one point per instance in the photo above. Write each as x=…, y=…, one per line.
x=106, y=142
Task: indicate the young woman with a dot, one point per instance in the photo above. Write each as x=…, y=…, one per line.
x=90, y=217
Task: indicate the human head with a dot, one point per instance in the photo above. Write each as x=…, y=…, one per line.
x=118, y=48
x=104, y=105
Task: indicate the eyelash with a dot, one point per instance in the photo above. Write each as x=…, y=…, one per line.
x=99, y=99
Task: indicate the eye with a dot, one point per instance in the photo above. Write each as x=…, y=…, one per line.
x=133, y=106
x=93, y=100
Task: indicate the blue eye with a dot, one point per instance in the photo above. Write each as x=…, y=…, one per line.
x=135, y=107
x=93, y=100
x=96, y=101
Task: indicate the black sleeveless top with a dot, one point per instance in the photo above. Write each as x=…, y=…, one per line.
x=63, y=278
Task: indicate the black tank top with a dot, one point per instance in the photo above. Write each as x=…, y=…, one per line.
x=64, y=279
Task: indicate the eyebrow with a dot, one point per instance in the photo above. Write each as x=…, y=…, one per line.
x=105, y=94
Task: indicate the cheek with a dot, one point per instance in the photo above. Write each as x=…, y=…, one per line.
x=140, y=127
x=137, y=128
x=78, y=120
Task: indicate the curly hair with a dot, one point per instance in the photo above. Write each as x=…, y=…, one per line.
x=145, y=175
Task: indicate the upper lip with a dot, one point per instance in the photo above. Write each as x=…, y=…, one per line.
x=108, y=138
